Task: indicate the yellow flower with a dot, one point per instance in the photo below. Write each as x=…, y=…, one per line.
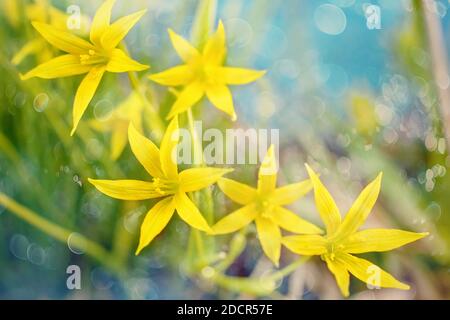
x=94, y=57
x=167, y=183
x=204, y=73
x=43, y=11
x=130, y=110
x=264, y=205
x=343, y=238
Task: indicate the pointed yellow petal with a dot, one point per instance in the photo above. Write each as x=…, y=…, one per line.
x=184, y=49
x=236, y=76
x=329, y=212
x=340, y=273
x=31, y=47
x=220, y=96
x=126, y=189
x=215, y=48
x=62, y=66
x=308, y=245
x=235, y=220
x=370, y=273
x=120, y=62
x=155, y=221
x=289, y=221
x=84, y=94
x=270, y=238
x=267, y=175
x=169, y=144
x=119, y=29
x=63, y=40
x=199, y=178
x=360, y=208
x=189, y=213
x=176, y=76
x=378, y=240
x=101, y=21
x=190, y=95
x=145, y=151
x=118, y=143
x=236, y=191
x=290, y=193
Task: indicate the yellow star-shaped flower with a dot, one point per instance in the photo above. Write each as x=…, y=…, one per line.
x=343, y=239
x=167, y=184
x=44, y=11
x=93, y=57
x=264, y=205
x=204, y=73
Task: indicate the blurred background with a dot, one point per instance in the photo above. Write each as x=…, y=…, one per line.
x=355, y=87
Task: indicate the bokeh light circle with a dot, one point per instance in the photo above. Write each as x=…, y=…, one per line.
x=330, y=19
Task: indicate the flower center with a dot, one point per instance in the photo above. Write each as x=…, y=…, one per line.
x=332, y=249
x=164, y=187
x=92, y=58
x=203, y=72
x=265, y=208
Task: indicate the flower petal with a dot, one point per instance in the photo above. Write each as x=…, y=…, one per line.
x=370, y=273
x=236, y=76
x=235, y=220
x=126, y=189
x=288, y=194
x=267, y=175
x=269, y=235
x=176, y=76
x=215, y=48
x=340, y=273
x=329, y=212
x=62, y=66
x=31, y=47
x=63, y=40
x=118, y=142
x=101, y=21
x=119, y=29
x=236, y=191
x=84, y=94
x=155, y=221
x=184, y=49
x=199, y=178
x=378, y=240
x=220, y=96
x=190, y=95
x=189, y=212
x=360, y=209
x=145, y=151
x=289, y=221
x=119, y=61
x=308, y=245
x=168, y=152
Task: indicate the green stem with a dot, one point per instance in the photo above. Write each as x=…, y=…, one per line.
x=155, y=120
x=237, y=245
x=256, y=286
x=80, y=242
x=289, y=268
x=203, y=195
x=196, y=144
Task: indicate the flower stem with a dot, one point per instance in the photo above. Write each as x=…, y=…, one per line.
x=61, y=234
x=289, y=268
x=196, y=143
x=155, y=120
